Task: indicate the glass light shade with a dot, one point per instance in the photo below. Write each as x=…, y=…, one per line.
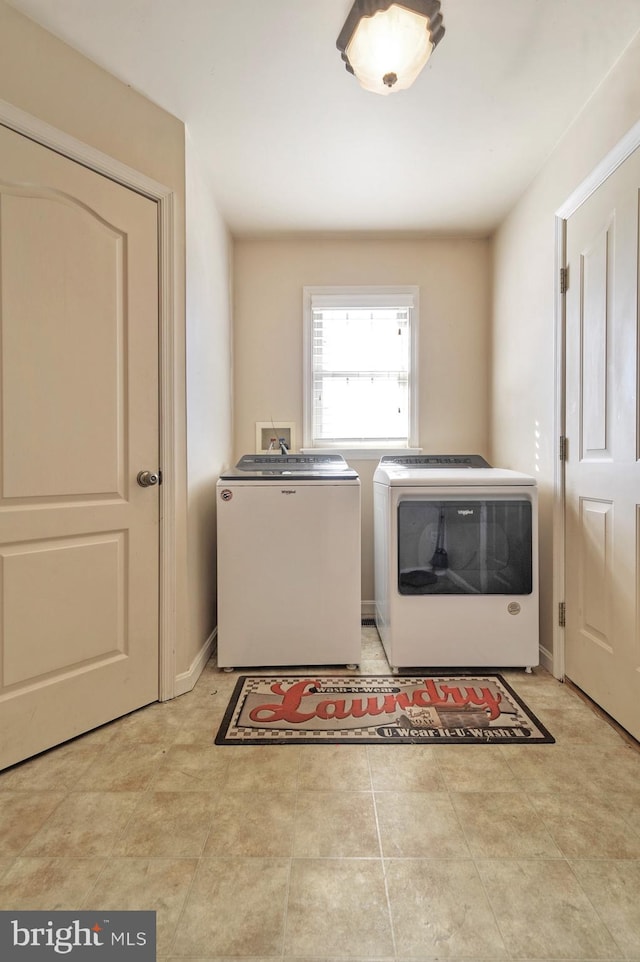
x=393, y=43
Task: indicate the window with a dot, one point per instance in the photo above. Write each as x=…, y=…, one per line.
x=360, y=381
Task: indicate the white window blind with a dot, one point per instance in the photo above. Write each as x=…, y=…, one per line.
x=359, y=379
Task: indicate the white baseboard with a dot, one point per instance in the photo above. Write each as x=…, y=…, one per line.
x=367, y=609
x=186, y=681
x=546, y=659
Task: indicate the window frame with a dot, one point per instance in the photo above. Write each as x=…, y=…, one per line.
x=367, y=296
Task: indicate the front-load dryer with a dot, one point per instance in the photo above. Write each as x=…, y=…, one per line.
x=456, y=563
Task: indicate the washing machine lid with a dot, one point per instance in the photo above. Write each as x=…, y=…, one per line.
x=445, y=470
x=302, y=467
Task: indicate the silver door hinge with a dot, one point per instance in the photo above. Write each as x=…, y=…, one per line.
x=563, y=450
x=564, y=279
x=562, y=614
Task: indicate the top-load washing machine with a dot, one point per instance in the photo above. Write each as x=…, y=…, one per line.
x=289, y=589
x=456, y=563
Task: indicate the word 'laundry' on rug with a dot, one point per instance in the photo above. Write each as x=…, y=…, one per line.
x=317, y=708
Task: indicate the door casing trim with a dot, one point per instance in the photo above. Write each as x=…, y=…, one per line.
x=43, y=133
x=610, y=163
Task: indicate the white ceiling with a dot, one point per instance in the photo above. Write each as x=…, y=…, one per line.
x=294, y=144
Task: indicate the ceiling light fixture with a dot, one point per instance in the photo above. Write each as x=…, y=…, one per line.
x=386, y=43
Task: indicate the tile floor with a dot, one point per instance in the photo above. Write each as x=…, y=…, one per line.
x=337, y=852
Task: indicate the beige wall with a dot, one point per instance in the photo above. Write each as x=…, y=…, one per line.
x=209, y=429
x=453, y=275
x=522, y=420
x=49, y=80
x=45, y=77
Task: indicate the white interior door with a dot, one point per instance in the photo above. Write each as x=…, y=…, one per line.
x=79, y=545
x=603, y=467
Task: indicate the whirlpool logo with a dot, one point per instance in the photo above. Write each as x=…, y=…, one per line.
x=83, y=935
x=465, y=512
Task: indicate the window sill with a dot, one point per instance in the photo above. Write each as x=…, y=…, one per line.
x=362, y=454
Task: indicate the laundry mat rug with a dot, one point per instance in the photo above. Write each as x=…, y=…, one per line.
x=377, y=709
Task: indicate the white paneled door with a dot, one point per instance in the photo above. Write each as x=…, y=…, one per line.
x=79, y=545
x=603, y=467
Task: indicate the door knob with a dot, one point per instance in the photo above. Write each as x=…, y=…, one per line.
x=146, y=479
